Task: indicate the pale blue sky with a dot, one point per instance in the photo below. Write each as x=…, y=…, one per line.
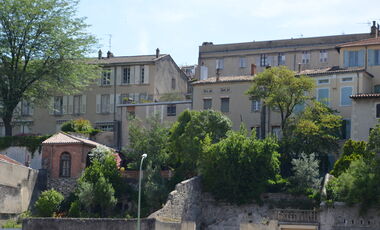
x=178, y=27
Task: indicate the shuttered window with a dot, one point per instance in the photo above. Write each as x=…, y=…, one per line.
x=345, y=93
x=323, y=95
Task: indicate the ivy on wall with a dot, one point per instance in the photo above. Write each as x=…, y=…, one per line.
x=32, y=143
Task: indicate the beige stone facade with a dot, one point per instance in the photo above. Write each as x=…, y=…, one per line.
x=125, y=80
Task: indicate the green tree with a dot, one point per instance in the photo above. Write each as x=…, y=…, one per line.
x=42, y=49
x=100, y=184
x=186, y=138
x=238, y=168
x=78, y=126
x=48, y=203
x=374, y=140
x=306, y=174
x=280, y=88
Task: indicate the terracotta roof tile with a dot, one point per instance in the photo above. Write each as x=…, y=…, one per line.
x=331, y=70
x=126, y=59
x=364, y=42
x=365, y=95
x=213, y=80
x=9, y=160
x=64, y=138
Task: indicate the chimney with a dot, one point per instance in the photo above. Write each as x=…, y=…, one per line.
x=374, y=28
x=377, y=31
x=299, y=67
x=100, y=54
x=253, y=69
x=217, y=74
x=157, y=52
x=109, y=54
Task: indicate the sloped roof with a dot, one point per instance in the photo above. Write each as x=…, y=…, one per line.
x=64, y=138
x=213, y=80
x=331, y=70
x=126, y=59
x=364, y=42
x=9, y=160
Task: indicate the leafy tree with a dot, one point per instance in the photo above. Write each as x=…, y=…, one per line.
x=186, y=138
x=42, y=49
x=150, y=139
x=48, y=203
x=306, y=174
x=374, y=140
x=78, y=126
x=352, y=150
x=238, y=168
x=100, y=183
x=280, y=88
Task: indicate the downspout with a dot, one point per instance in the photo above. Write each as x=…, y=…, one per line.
x=114, y=94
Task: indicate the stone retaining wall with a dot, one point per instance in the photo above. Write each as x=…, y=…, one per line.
x=62, y=185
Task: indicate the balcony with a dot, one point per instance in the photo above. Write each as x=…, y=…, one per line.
x=293, y=216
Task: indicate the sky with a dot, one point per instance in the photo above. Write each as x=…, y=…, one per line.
x=179, y=27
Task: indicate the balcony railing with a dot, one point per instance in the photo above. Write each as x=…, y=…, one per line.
x=297, y=216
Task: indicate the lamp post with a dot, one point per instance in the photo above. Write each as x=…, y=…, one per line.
x=139, y=201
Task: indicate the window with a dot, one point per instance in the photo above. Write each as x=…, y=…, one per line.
x=373, y=57
x=207, y=103
x=219, y=64
x=323, y=56
x=299, y=108
x=255, y=105
x=346, y=129
x=225, y=105
x=207, y=91
x=127, y=75
x=58, y=105
x=276, y=131
x=142, y=74
x=377, y=110
x=106, y=78
x=243, y=62
x=263, y=60
x=323, y=81
x=106, y=127
x=105, y=103
x=353, y=58
x=323, y=95
x=65, y=165
x=25, y=108
x=77, y=103
x=377, y=89
x=305, y=57
x=281, y=59
x=345, y=93
x=225, y=89
x=171, y=110
x=173, y=84
x=347, y=79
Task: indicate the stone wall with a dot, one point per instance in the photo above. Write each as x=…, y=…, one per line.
x=17, y=183
x=62, y=185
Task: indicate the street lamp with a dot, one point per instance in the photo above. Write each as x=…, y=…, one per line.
x=139, y=202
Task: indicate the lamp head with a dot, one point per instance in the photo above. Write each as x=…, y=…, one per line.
x=144, y=155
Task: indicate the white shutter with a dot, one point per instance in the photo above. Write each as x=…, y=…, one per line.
x=132, y=78
x=137, y=75
x=119, y=80
x=83, y=104
x=112, y=97
x=204, y=72
x=64, y=106
x=98, y=103
x=146, y=74
x=71, y=104
x=51, y=106
x=112, y=77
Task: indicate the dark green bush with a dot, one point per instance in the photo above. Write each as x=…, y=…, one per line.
x=79, y=126
x=48, y=203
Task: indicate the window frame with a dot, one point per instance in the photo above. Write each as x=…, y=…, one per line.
x=255, y=105
x=142, y=74
x=281, y=59
x=377, y=110
x=243, y=62
x=323, y=55
x=223, y=109
x=105, y=107
x=263, y=60
x=306, y=56
x=171, y=110
x=106, y=78
x=318, y=98
x=127, y=75
x=65, y=165
x=58, y=109
x=204, y=104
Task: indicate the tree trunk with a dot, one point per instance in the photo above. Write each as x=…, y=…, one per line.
x=7, y=125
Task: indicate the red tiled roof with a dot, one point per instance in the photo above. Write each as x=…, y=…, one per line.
x=214, y=80
x=365, y=42
x=9, y=160
x=365, y=95
x=64, y=138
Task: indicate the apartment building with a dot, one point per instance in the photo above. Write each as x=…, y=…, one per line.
x=241, y=59
x=124, y=80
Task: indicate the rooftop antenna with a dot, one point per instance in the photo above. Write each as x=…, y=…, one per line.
x=109, y=41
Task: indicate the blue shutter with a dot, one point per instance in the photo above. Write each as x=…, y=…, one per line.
x=371, y=57
x=346, y=59
x=361, y=58
x=345, y=93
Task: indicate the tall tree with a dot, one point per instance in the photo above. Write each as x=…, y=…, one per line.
x=280, y=88
x=42, y=52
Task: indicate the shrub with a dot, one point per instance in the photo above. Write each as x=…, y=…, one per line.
x=48, y=203
x=306, y=175
x=11, y=224
x=79, y=126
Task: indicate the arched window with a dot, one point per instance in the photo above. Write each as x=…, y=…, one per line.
x=65, y=165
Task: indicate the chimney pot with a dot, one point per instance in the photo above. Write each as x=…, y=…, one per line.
x=299, y=67
x=157, y=52
x=374, y=29
x=109, y=54
x=100, y=54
